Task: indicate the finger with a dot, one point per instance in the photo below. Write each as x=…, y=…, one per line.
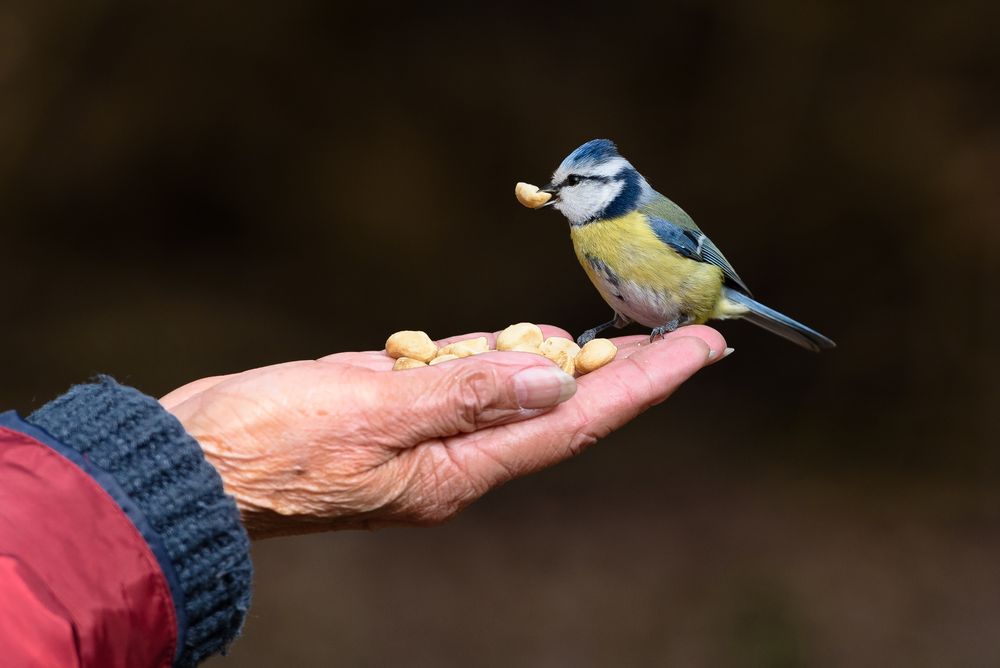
x=468, y=394
x=712, y=338
x=629, y=345
x=605, y=400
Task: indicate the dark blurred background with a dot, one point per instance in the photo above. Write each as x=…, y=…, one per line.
x=195, y=189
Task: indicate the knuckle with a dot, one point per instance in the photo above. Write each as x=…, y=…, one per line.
x=469, y=393
x=581, y=440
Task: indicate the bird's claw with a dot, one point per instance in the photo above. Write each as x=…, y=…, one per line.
x=671, y=326
x=587, y=337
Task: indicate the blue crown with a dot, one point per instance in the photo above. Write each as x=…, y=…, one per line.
x=594, y=151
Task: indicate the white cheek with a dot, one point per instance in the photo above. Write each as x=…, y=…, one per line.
x=588, y=199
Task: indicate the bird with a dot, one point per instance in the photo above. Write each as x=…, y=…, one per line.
x=647, y=257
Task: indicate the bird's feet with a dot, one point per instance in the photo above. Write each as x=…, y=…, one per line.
x=661, y=330
x=588, y=336
x=666, y=328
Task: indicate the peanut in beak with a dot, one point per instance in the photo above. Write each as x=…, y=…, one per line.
x=530, y=196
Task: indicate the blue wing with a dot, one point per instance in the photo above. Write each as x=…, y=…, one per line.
x=676, y=229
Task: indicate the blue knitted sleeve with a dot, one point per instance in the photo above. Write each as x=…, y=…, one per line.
x=176, y=493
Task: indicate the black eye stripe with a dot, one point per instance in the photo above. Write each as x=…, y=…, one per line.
x=574, y=179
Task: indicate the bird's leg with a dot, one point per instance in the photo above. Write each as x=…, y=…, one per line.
x=679, y=321
x=618, y=322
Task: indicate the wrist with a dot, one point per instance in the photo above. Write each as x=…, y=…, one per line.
x=165, y=475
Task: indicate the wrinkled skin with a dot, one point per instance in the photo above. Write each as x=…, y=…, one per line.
x=344, y=442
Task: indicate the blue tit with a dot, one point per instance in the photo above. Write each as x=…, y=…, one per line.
x=646, y=256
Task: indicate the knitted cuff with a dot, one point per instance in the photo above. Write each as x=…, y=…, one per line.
x=132, y=437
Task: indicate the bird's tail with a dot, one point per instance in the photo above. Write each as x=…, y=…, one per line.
x=779, y=324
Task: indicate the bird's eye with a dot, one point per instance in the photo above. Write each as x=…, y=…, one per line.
x=572, y=180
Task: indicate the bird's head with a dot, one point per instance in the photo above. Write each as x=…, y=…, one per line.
x=595, y=182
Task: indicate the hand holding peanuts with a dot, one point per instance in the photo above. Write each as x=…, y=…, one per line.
x=339, y=443
x=414, y=349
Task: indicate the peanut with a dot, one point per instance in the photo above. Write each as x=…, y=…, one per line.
x=594, y=355
x=404, y=363
x=530, y=196
x=466, y=348
x=561, y=351
x=413, y=344
x=522, y=337
x=413, y=349
x=443, y=358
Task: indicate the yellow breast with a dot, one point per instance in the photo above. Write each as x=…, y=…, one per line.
x=652, y=276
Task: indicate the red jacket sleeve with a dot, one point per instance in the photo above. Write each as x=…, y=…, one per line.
x=79, y=585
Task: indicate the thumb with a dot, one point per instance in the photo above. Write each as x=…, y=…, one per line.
x=471, y=393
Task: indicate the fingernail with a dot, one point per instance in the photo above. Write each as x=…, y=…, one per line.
x=712, y=354
x=541, y=387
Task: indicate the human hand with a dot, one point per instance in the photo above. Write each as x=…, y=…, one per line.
x=344, y=442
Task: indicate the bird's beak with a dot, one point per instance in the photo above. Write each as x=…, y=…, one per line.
x=551, y=190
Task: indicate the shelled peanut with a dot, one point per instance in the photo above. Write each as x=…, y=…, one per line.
x=403, y=363
x=465, y=348
x=523, y=337
x=561, y=351
x=595, y=354
x=413, y=349
x=530, y=196
x=415, y=345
